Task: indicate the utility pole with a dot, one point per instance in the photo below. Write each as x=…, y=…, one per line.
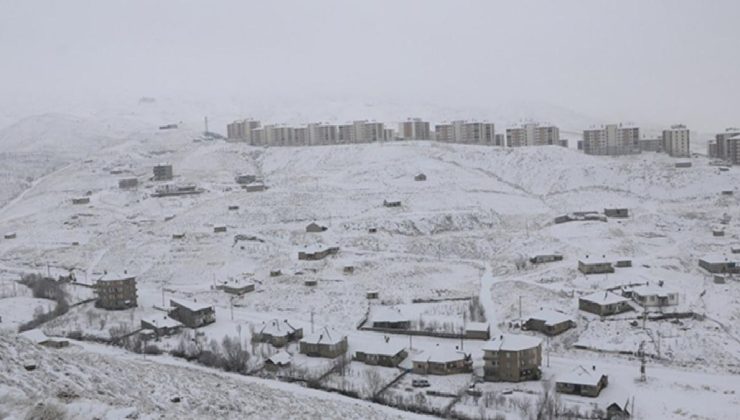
x=520, y=308
x=231, y=303
x=311, y=321
x=548, y=351
x=462, y=332
x=163, y=296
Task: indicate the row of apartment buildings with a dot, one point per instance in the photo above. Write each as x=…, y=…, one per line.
x=618, y=139
x=726, y=146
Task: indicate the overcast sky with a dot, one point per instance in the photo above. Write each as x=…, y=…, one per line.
x=662, y=61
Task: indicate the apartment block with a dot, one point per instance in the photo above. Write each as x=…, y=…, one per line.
x=466, y=132
x=532, y=134
x=611, y=139
x=322, y=134
x=676, y=141
x=726, y=146
x=241, y=130
x=414, y=129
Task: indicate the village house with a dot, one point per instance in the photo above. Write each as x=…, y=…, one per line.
x=653, y=296
x=310, y=282
x=81, y=200
x=116, y=291
x=595, y=265
x=178, y=235
x=314, y=227
x=161, y=325
x=236, y=286
x=512, y=358
x=219, y=229
x=392, y=203
x=278, y=333
x=718, y=264
x=442, y=361
x=617, y=213
x=477, y=331
x=10, y=235
x=245, y=179
x=372, y=294
x=545, y=258
x=548, y=322
x=38, y=337
x=604, y=303
x=325, y=343
x=171, y=190
x=420, y=177
x=735, y=249
x=127, y=183
x=389, y=318
x=582, y=381
x=277, y=361
x=317, y=252
x=192, y=314
x=163, y=172
x=381, y=353
x=255, y=186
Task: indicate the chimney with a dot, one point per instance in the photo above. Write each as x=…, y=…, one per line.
x=593, y=367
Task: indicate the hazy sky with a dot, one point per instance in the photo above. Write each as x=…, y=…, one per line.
x=662, y=61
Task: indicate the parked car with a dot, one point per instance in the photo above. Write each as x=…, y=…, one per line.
x=420, y=383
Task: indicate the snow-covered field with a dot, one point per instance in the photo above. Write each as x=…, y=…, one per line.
x=460, y=234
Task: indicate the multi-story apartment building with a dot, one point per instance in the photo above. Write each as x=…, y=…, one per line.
x=116, y=291
x=275, y=135
x=414, y=129
x=512, y=358
x=322, y=134
x=532, y=134
x=611, y=139
x=726, y=146
x=466, y=132
x=676, y=141
x=241, y=130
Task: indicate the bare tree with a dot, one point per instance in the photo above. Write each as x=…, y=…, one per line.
x=373, y=382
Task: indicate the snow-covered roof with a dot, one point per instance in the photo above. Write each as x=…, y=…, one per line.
x=115, y=276
x=161, y=321
x=512, y=342
x=280, y=358
x=653, y=291
x=477, y=326
x=440, y=354
x=325, y=336
x=550, y=317
x=237, y=283
x=604, y=298
x=193, y=306
x=718, y=259
x=380, y=347
x=735, y=137
x=276, y=328
x=582, y=376
x=594, y=259
x=312, y=249
x=386, y=314
x=35, y=335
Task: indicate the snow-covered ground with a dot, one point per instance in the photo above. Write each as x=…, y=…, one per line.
x=460, y=234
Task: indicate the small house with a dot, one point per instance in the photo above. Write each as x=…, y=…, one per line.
x=278, y=333
x=326, y=343
x=380, y=353
x=116, y=291
x=718, y=232
x=233, y=208
x=477, y=331
x=173, y=190
x=582, y=381
x=245, y=179
x=277, y=361
x=314, y=227
x=545, y=258
x=192, y=314
x=389, y=318
x=617, y=213
x=604, y=303
x=595, y=265
x=562, y=219
x=236, y=287
x=623, y=263
x=683, y=164
x=372, y=230
x=255, y=186
x=38, y=337
x=178, y=235
x=618, y=411
x=81, y=200
x=275, y=273
x=10, y=235
x=317, y=252
x=728, y=192
x=310, y=282
x=442, y=361
x=219, y=229
x=161, y=325
x=127, y=183
x=420, y=177
x=654, y=296
x=512, y=358
x=391, y=203
x=735, y=249
x=348, y=269
x=372, y=294
x=718, y=264
x=549, y=322
x=162, y=172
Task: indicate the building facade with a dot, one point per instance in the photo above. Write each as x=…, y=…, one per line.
x=116, y=291
x=611, y=139
x=676, y=141
x=532, y=134
x=466, y=132
x=512, y=358
x=414, y=129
